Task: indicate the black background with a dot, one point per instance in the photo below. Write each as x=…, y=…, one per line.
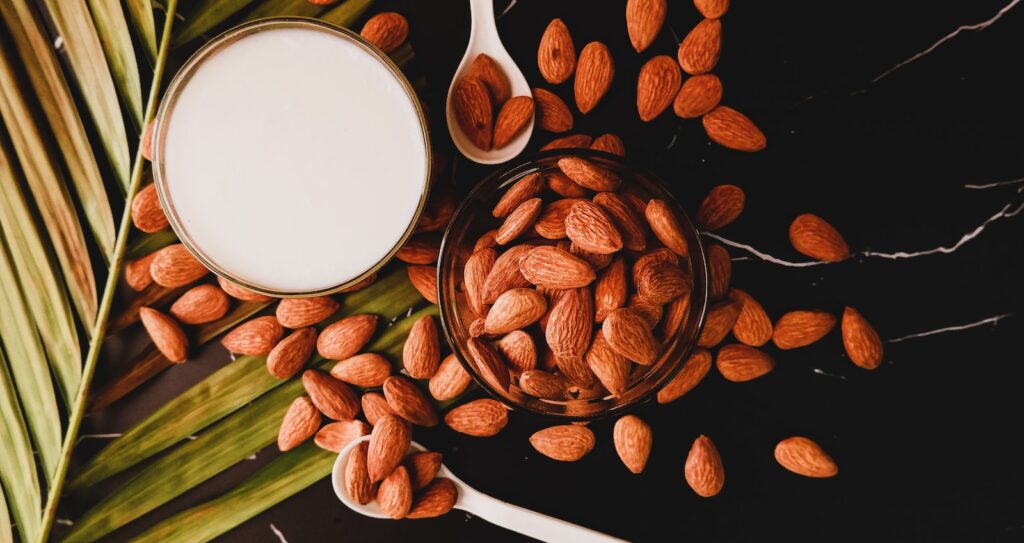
x=929, y=444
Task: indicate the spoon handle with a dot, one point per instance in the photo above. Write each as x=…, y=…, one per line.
x=484, y=26
x=526, y=522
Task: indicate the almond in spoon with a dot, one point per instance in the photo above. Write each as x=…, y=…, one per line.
x=514, y=115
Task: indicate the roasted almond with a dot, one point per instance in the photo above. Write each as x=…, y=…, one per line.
x=518, y=349
x=513, y=117
x=609, y=143
x=595, y=70
x=302, y=312
x=610, y=367
x=712, y=9
x=860, y=339
x=550, y=111
x=505, y=274
x=554, y=268
x=394, y=496
x=450, y=380
x=561, y=185
x=420, y=249
x=720, y=207
x=697, y=96
x=146, y=141
x=805, y=457
x=643, y=21
x=570, y=324
x=589, y=175
x=816, y=238
x=346, y=337
x=651, y=312
x=719, y=271
x=474, y=280
x=519, y=221
x=573, y=141
x=255, y=337
x=490, y=74
x=333, y=398
x=438, y=213
x=200, y=304
x=363, y=370
x=657, y=86
x=543, y=384
x=166, y=334
x=661, y=282
x=301, y=421
x=556, y=55
x=480, y=418
x=291, y=353
x=665, y=225
x=633, y=439
x=630, y=335
x=514, y=309
x=486, y=241
x=752, y=326
x=136, y=272
x=689, y=376
x=241, y=293
x=421, y=354
x=730, y=128
x=375, y=407
x=719, y=322
x=336, y=435
x=388, y=443
x=631, y=226
x=551, y=223
x=147, y=215
x=739, y=363
x=674, y=317
x=700, y=49
x=489, y=363
x=529, y=186
x=406, y=399
x=801, y=328
x=566, y=443
x=436, y=499
x=174, y=266
x=357, y=481
x=424, y=279
x=611, y=289
x=422, y=467
x=471, y=102
x=386, y=30
x=649, y=259
x=704, y=471
x=590, y=229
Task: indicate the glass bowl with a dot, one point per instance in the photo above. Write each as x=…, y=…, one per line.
x=473, y=219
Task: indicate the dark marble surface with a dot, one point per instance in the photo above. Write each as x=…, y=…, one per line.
x=889, y=119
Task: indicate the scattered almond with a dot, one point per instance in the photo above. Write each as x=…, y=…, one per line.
x=609, y=143
x=291, y=353
x=805, y=457
x=739, y=363
x=630, y=335
x=720, y=207
x=388, y=443
x=386, y=30
x=633, y=439
x=689, y=376
x=594, y=72
x=566, y=443
x=421, y=354
x=719, y=271
x=712, y=9
x=556, y=56
x=336, y=435
x=136, y=272
x=697, y=96
x=450, y=380
x=300, y=423
x=255, y=337
x=730, y=128
x=657, y=86
x=816, y=238
x=174, y=266
x=551, y=112
x=201, y=304
x=241, y=293
x=302, y=312
x=643, y=21
x=480, y=418
x=666, y=227
x=513, y=117
x=527, y=187
x=752, y=326
x=436, y=499
x=394, y=496
x=699, y=50
x=408, y=401
x=420, y=249
x=422, y=467
x=166, y=334
x=573, y=141
x=333, y=398
x=424, y=279
x=346, y=337
x=719, y=322
x=489, y=363
x=375, y=407
x=704, y=471
x=860, y=339
x=801, y=328
x=147, y=215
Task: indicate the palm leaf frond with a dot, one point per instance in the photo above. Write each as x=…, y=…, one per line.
x=204, y=17
x=117, y=45
x=16, y=463
x=347, y=13
x=141, y=12
x=284, y=8
x=6, y=530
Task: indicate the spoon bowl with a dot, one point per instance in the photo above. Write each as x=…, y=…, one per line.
x=483, y=38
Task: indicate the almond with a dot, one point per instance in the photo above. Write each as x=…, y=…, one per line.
x=512, y=119
x=689, y=376
x=486, y=241
x=556, y=55
x=421, y=354
x=704, y=471
x=658, y=255
x=424, y=279
x=527, y=187
x=201, y=304
x=471, y=102
x=336, y=435
x=594, y=72
x=719, y=271
x=801, y=328
x=480, y=418
x=574, y=141
x=566, y=443
x=577, y=373
x=589, y=228
x=643, y=21
x=386, y=30
x=518, y=349
x=561, y=185
x=542, y=384
x=609, y=143
x=406, y=399
x=712, y=9
x=611, y=290
x=346, y=337
x=422, y=467
x=333, y=398
x=665, y=225
x=303, y=312
x=388, y=443
x=489, y=363
x=720, y=207
x=816, y=238
x=166, y=334
x=174, y=266
x=674, y=317
x=363, y=370
x=136, y=272
x=514, y=309
x=860, y=339
x=551, y=223
x=519, y=221
x=394, y=496
x=476, y=328
x=570, y=324
x=610, y=367
x=147, y=215
x=478, y=267
x=375, y=407
x=752, y=326
x=698, y=95
x=255, y=337
x=657, y=86
x=450, y=380
x=436, y=499
x=551, y=112
x=730, y=128
x=490, y=74
x=739, y=363
x=505, y=274
x=805, y=457
x=291, y=353
x=630, y=335
x=420, y=249
x=146, y=141
x=651, y=312
x=633, y=439
x=357, y=481
x=438, y=213
x=241, y=293
x=300, y=423
x=588, y=174
x=554, y=268
x=631, y=226
x=699, y=50
x=719, y=322
x=661, y=282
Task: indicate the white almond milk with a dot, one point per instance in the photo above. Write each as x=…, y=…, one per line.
x=293, y=159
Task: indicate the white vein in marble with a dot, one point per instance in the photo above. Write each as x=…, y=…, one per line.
x=84, y=437
x=989, y=321
x=280, y=536
x=824, y=373
x=994, y=185
x=508, y=8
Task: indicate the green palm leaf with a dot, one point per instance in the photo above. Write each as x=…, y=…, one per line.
x=6, y=532
x=141, y=12
x=17, y=471
x=117, y=44
x=147, y=243
x=346, y=13
x=52, y=91
x=74, y=24
x=204, y=17
x=284, y=8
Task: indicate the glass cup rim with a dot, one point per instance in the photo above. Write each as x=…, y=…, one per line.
x=516, y=170
x=185, y=73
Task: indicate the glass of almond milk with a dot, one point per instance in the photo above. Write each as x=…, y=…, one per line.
x=291, y=157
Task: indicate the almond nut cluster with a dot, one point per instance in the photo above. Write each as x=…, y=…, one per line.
x=481, y=91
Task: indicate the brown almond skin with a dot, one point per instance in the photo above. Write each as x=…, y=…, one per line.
x=146, y=141
x=633, y=439
x=805, y=457
x=136, y=272
x=630, y=335
x=388, y=443
x=424, y=279
x=489, y=72
x=720, y=320
x=241, y=293
x=643, y=21
x=566, y=443
x=386, y=30
x=291, y=353
x=697, y=96
x=543, y=384
x=657, y=86
x=740, y=363
x=720, y=207
x=436, y=499
x=375, y=407
x=486, y=241
x=590, y=229
x=439, y=211
x=689, y=376
x=421, y=249
x=551, y=223
x=550, y=111
x=658, y=255
x=816, y=238
x=573, y=141
x=166, y=334
x=363, y=370
x=704, y=471
x=632, y=226
x=611, y=290
x=712, y=9
x=474, y=111
x=556, y=55
x=609, y=143
x=514, y=309
x=357, y=480
x=554, y=268
x=406, y=399
x=720, y=271
x=861, y=341
x=344, y=338
x=570, y=324
x=421, y=354
x=489, y=363
x=518, y=349
x=394, y=496
x=700, y=49
x=333, y=398
x=734, y=130
x=300, y=423
x=561, y=185
x=519, y=221
x=147, y=215
x=422, y=467
x=505, y=274
x=513, y=117
x=752, y=326
x=526, y=188
x=665, y=226
x=474, y=278
x=674, y=317
x=589, y=175
x=801, y=328
x=303, y=312
x=450, y=380
x=595, y=70
x=174, y=266
x=661, y=282
x=610, y=367
x=201, y=304
x=336, y=435
x=480, y=418
x=255, y=337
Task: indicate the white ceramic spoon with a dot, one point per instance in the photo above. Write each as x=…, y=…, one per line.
x=483, y=38
x=503, y=514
